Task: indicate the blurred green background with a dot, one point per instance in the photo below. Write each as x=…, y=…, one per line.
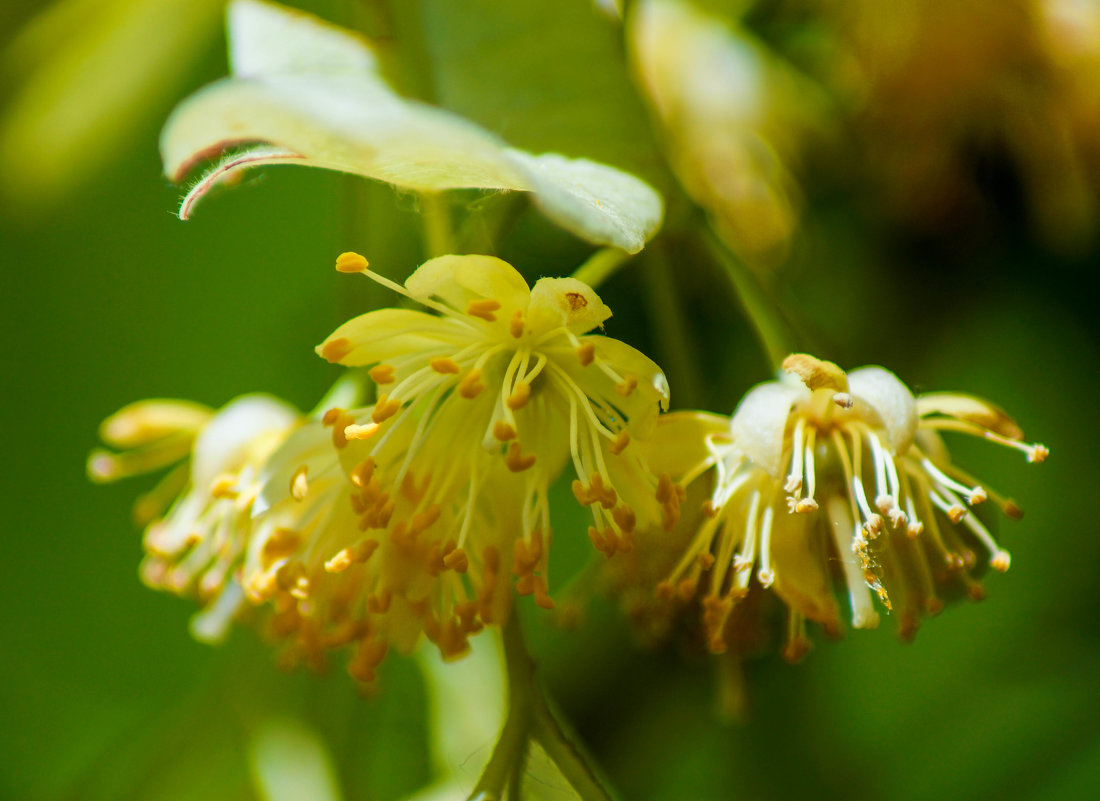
x=108, y=298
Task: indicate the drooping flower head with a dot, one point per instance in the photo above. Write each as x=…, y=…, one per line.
x=199, y=516
x=502, y=378
x=842, y=480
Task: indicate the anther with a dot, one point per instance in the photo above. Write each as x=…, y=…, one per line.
x=224, y=486
x=805, y=506
x=515, y=325
x=457, y=560
x=976, y=496
x=503, y=431
x=619, y=442
x=515, y=460
x=470, y=386
x=956, y=513
x=331, y=416
x=765, y=577
x=445, y=365
x=1038, y=453
x=519, y=397
x=627, y=385
x=1012, y=510
x=914, y=529
x=586, y=353
x=1000, y=561
x=483, y=308
x=336, y=349
x=624, y=517
x=382, y=374
x=362, y=473
x=843, y=400
x=385, y=408
x=299, y=485
x=351, y=262
x=354, y=431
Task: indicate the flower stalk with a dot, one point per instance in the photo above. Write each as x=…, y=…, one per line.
x=530, y=717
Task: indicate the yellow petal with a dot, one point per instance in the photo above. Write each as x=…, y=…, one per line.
x=884, y=392
x=458, y=280
x=386, y=334
x=799, y=560
x=679, y=442
x=972, y=410
x=568, y=302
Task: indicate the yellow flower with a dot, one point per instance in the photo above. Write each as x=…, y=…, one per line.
x=197, y=547
x=829, y=476
x=501, y=387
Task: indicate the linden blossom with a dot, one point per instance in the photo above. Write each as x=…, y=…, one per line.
x=895, y=511
x=503, y=374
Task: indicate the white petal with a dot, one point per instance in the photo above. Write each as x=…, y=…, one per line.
x=223, y=445
x=891, y=400
x=759, y=424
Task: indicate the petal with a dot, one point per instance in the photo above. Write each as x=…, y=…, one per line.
x=679, y=443
x=799, y=559
x=641, y=405
x=457, y=280
x=334, y=111
x=228, y=439
x=971, y=409
x=759, y=424
x=565, y=301
x=884, y=392
x=387, y=334
x=147, y=421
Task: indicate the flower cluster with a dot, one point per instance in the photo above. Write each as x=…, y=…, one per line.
x=376, y=524
x=830, y=480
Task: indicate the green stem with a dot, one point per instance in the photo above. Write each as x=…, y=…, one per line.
x=530, y=717
x=601, y=265
x=435, y=208
x=774, y=333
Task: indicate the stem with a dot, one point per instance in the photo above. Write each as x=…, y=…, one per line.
x=601, y=265
x=436, y=210
x=530, y=716
x=773, y=331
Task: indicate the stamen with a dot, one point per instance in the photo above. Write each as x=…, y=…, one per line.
x=362, y=473
x=974, y=495
x=794, y=477
x=619, y=442
x=470, y=386
x=503, y=431
x=299, y=485
x=382, y=373
x=517, y=462
x=765, y=575
x=355, y=431
x=351, y=262
x=224, y=486
x=521, y=393
x=586, y=353
x=444, y=365
x=385, y=408
x=627, y=385
x=515, y=325
x=841, y=526
x=336, y=349
x=483, y=308
x=843, y=400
